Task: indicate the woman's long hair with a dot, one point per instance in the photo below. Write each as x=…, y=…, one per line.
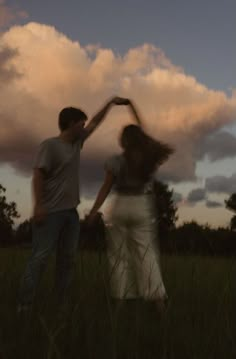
x=143, y=154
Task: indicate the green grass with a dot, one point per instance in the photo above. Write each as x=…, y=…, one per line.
x=200, y=322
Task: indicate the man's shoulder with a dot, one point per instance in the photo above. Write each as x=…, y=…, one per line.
x=117, y=157
x=49, y=141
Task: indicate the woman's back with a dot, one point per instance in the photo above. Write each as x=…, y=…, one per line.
x=134, y=169
x=128, y=179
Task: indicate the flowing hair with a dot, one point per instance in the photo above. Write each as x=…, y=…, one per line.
x=143, y=154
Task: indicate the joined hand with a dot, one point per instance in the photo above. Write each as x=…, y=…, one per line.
x=121, y=101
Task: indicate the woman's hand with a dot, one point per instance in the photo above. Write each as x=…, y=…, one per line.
x=120, y=101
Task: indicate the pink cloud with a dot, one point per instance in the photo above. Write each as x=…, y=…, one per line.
x=47, y=71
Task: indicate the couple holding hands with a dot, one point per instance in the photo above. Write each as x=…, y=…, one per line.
x=133, y=255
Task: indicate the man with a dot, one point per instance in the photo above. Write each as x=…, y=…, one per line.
x=56, y=196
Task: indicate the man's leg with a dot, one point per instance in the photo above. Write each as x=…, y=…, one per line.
x=66, y=253
x=44, y=238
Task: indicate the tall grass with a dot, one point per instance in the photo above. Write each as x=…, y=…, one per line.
x=199, y=323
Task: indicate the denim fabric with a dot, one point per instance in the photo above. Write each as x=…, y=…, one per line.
x=59, y=231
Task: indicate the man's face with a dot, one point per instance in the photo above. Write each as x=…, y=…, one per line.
x=76, y=128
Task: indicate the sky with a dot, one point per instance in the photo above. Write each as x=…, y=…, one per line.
x=176, y=60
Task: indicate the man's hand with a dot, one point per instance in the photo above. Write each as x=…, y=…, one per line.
x=99, y=117
x=39, y=214
x=91, y=218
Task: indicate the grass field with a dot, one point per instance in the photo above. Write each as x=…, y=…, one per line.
x=200, y=321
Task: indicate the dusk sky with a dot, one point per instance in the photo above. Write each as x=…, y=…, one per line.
x=175, y=59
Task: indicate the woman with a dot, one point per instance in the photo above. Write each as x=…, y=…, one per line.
x=132, y=239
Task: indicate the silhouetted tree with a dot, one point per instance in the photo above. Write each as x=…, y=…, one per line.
x=233, y=223
x=8, y=213
x=165, y=207
x=23, y=233
x=230, y=204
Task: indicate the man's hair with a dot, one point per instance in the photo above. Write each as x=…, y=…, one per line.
x=68, y=115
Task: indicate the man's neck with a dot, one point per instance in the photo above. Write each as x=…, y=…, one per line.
x=66, y=137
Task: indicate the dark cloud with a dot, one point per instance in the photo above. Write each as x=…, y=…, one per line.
x=92, y=174
x=221, y=184
x=19, y=143
x=219, y=146
x=196, y=195
x=7, y=71
x=180, y=167
x=213, y=204
x=177, y=197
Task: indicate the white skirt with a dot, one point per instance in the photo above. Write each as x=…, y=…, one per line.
x=133, y=254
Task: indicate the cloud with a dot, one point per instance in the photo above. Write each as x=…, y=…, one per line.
x=7, y=71
x=196, y=195
x=42, y=71
x=213, y=204
x=221, y=184
x=219, y=146
x=9, y=14
x=177, y=197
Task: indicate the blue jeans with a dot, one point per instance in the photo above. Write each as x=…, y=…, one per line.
x=60, y=231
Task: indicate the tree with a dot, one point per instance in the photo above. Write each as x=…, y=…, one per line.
x=8, y=213
x=23, y=232
x=165, y=207
x=230, y=204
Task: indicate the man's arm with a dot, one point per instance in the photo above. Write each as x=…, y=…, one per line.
x=37, y=188
x=99, y=117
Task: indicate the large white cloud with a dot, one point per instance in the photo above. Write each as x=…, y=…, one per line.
x=42, y=71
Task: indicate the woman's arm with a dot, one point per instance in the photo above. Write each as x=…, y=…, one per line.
x=102, y=195
x=135, y=113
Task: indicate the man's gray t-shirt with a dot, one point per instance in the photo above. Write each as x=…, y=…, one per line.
x=60, y=161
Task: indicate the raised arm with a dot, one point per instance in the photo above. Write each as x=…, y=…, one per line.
x=101, y=196
x=100, y=116
x=135, y=112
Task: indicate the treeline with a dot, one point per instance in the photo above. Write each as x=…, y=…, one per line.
x=188, y=238
x=193, y=238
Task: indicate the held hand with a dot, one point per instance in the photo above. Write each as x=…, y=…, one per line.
x=90, y=219
x=39, y=214
x=120, y=101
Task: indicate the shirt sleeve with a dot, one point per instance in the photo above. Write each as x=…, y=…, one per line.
x=43, y=158
x=113, y=165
